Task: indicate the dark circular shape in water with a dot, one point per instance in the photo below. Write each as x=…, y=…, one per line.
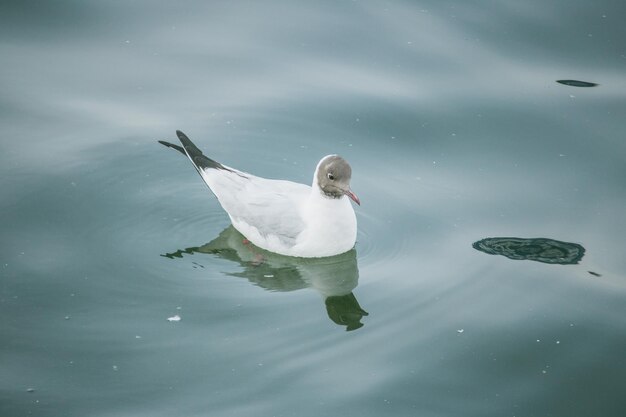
x=576, y=83
x=544, y=250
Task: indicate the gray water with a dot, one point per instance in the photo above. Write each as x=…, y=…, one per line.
x=456, y=130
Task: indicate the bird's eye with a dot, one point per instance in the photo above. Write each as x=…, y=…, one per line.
x=330, y=176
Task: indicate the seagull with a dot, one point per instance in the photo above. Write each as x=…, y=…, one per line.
x=281, y=216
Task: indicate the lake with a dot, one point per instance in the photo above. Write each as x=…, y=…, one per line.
x=488, y=277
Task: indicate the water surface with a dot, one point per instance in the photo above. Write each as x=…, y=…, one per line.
x=457, y=130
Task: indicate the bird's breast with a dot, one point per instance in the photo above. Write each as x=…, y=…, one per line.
x=330, y=227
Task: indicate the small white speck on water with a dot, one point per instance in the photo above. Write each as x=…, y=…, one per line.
x=538, y=340
x=179, y=308
x=572, y=96
x=137, y=337
x=558, y=342
x=174, y=318
x=268, y=276
x=67, y=317
x=115, y=368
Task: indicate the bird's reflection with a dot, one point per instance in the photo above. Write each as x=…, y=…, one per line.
x=333, y=277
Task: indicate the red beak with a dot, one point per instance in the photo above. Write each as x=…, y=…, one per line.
x=353, y=197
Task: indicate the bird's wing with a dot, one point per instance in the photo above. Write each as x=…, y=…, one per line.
x=272, y=207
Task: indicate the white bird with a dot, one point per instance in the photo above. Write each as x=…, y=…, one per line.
x=282, y=216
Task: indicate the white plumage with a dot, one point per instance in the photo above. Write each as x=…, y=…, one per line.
x=283, y=216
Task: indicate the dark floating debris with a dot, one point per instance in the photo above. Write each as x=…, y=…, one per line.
x=595, y=274
x=538, y=249
x=576, y=83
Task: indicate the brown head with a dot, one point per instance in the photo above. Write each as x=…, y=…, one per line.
x=333, y=178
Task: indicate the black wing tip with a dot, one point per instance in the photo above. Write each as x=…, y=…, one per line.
x=196, y=156
x=188, y=144
x=181, y=135
x=171, y=145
